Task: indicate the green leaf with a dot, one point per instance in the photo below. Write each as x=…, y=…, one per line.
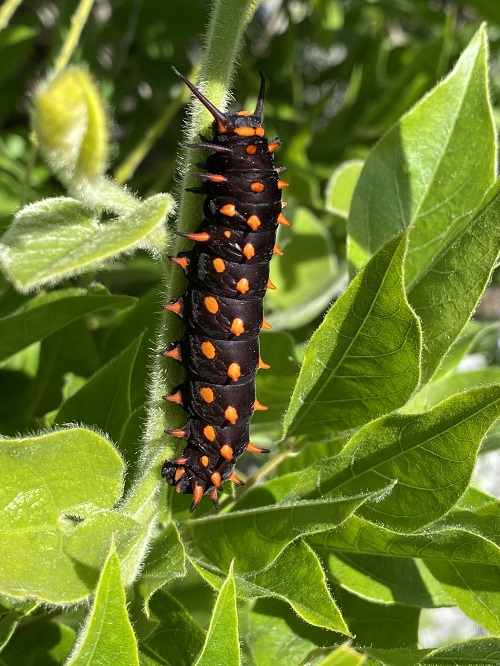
x=178, y=638
x=56, y=524
x=277, y=636
x=429, y=457
x=107, y=637
x=446, y=295
x=48, y=313
x=274, y=387
x=483, y=651
x=222, y=635
x=379, y=625
x=344, y=655
x=296, y=577
x=340, y=187
x=306, y=276
x=413, y=180
x=363, y=361
x=104, y=401
x=165, y=561
x=254, y=538
x=30, y=257
x=43, y=642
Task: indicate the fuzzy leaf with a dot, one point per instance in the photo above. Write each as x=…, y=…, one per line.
x=107, y=637
x=429, y=457
x=413, y=180
x=95, y=404
x=222, y=635
x=254, y=538
x=56, y=524
x=296, y=576
x=57, y=238
x=363, y=361
x=50, y=312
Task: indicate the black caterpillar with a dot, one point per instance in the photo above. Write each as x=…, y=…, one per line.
x=228, y=274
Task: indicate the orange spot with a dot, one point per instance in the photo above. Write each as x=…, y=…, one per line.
x=231, y=415
x=234, y=371
x=219, y=265
x=211, y=304
x=204, y=461
x=180, y=461
x=251, y=149
x=226, y=452
x=251, y=448
x=209, y=432
x=179, y=473
x=183, y=262
x=282, y=220
x=282, y=184
x=228, y=209
x=215, y=479
x=249, y=251
x=262, y=365
x=277, y=251
x=235, y=480
x=270, y=285
x=175, y=353
x=222, y=127
x=202, y=237
x=237, y=327
x=244, y=131
x=227, y=234
x=257, y=187
x=242, y=286
x=254, y=222
x=207, y=394
x=260, y=131
x=266, y=325
x=208, y=350
x=273, y=145
x=175, y=397
x=258, y=407
x=244, y=113
x=215, y=178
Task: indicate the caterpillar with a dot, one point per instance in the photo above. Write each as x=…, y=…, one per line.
x=222, y=308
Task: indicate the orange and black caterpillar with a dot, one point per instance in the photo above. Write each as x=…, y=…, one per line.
x=228, y=274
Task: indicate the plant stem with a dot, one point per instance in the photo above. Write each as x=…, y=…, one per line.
x=7, y=10
x=78, y=21
x=228, y=21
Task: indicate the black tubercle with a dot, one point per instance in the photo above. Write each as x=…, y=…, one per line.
x=227, y=272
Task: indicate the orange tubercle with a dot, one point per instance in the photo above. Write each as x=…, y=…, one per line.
x=207, y=395
x=216, y=479
x=237, y=327
x=257, y=187
x=208, y=350
x=266, y=325
x=277, y=251
x=251, y=149
x=242, y=286
x=209, y=432
x=234, y=372
x=254, y=222
x=245, y=131
x=270, y=285
x=228, y=209
x=231, y=415
x=226, y=452
x=249, y=251
x=262, y=365
x=282, y=184
x=282, y=220
x=211, y=304
x=258, y=407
